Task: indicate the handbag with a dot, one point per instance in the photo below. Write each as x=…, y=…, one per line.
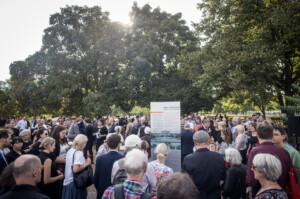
x=83, y=178
x=293, y=185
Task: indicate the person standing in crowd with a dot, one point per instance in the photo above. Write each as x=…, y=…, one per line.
x=209, y=165
x=61, y=147
x=205, y=127
x=187, y=143
x=235, y=184
x=73, y=129
x=197, y=124
x=50, y=176
x=16, y=150
x=252, y=137
x=22, y=124
x=161, y=170
x=265, y=136
x=267, y=168
x=118, y=174
x=134, y=130
x=280, y=139
x=27, y=174
x=7, y=180
x=135, y=165
x=235, y=122
x=12, y=127
x=178, y=186
x=89, y=132
x=241, y=142
x=5, y=140
x=190, y=121
x=104, y=164
x=228, y=142
x=75, y=162
x=118, y=131
x=40, y=136
x=141, y=131
x=111, y=125
x=32, y=126
x=147, y=138
x=129, y=127
x=101, y=133
x=103, y=149
x=27, y=144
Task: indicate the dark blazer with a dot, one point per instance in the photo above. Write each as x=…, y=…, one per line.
x=187, y=143
x=13, y=155
x=102, y=176
x=235, y=184
x=2, y=164
x=24, y=191
x=207, y=169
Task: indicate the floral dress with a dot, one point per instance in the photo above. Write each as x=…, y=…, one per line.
x=272, y=194
x=161, y=172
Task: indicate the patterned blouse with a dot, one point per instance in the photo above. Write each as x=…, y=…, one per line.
x=102, y=149
x=161, y=172
x=272, y=194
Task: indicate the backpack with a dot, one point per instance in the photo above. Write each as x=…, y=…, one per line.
x=121, y=174
x=119, y=193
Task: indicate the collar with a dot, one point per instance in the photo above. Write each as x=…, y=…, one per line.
x=111, y=150
x=133, y=186
x=202, y=150
x=267, y=143
x=25, y=187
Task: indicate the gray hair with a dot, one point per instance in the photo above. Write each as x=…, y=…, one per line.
x=79, y=140
x=187, y=126
x=200, y=137
x=161, y=150
x=135, y=163
x=147, y=130
x=233, y=156
x=235, y=119
x=24, y=132
x=268, y=164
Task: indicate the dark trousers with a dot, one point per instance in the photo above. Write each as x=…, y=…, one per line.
x=89, y=147
x=99, y=142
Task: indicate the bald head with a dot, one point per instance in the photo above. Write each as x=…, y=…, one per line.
x=24, y=165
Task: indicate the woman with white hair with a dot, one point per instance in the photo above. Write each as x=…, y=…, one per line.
x=235, y=184
x=267, y=169
x=161, y=170
x=75, y=162
x=27, y=144
x=241, y=142
x=118, y=130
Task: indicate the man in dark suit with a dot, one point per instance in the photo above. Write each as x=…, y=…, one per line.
x=104, y=164
x=206, y=168
x=32, y=126
x=187, y=143
x=205, y=127
x=5, y=140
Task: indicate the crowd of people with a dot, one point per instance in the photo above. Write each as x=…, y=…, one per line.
x=220, y=158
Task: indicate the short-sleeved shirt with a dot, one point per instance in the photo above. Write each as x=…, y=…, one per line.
x=78, y=160
x=294, y=154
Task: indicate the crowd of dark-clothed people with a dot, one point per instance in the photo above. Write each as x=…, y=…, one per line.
x=241, y=158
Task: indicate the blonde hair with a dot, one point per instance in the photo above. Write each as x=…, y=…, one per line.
x=79, y=140
x=240, y=129
x=223, y=124
x=118, y=129
x=161, y=150
x=48, y=141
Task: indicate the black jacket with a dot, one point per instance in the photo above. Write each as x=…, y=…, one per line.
x=187, y=143
x=24, y=191
x=207, y=169
x=235, y=184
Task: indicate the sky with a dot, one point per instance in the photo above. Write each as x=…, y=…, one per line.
x=22, y=22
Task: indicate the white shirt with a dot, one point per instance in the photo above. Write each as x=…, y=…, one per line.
x=22, y=124
x=63, y=150
x=78, y=160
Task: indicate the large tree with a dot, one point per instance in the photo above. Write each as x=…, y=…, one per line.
x=249, y=45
